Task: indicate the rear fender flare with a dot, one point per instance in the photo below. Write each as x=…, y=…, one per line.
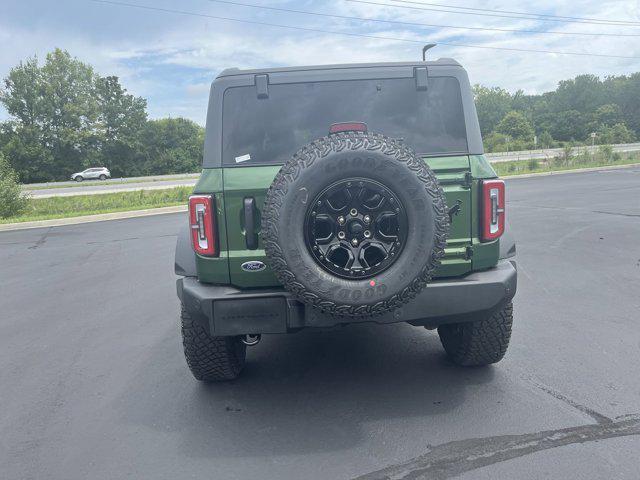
x=185, y=261
x=507, y=243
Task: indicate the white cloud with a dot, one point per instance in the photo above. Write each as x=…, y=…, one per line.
x=170, y=59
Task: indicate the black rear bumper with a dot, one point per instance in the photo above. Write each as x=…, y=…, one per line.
x=225, y=310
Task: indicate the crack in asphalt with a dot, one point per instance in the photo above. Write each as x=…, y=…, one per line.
x=454, y=458
x=41, y=241
x=575, y=209
x=617, y=213
x=128, y=239
x=457, y=457
x=597, y=416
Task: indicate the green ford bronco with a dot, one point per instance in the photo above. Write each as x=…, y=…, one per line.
x=342, y=194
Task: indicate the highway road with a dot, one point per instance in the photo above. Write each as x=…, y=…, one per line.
x=93, y=383
x=93, y=187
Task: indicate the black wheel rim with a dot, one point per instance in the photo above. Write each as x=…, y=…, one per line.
x=356, y=228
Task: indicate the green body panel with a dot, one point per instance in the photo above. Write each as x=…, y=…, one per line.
x=232, y=185
x=480, y=167
x=214, y=270
x=485, y=255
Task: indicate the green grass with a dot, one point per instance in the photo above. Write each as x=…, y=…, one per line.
x=582, y=160
x=78, y=205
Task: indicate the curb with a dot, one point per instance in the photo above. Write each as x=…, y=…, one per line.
x=101, y=217
x=577, y=170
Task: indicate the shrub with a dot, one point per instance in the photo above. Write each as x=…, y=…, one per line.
x=533, y=164
x=564, y=159
x=605, y=152
x=12, y=200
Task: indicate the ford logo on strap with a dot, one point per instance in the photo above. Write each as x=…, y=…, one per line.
x=253, y=266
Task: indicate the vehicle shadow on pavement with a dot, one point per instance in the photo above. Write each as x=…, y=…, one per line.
x=303, y=393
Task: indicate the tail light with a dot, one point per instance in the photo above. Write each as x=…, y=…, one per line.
x=493, y=209
x=203, y=226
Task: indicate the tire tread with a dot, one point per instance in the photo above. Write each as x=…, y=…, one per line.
x=210, y=358
x=479, y=343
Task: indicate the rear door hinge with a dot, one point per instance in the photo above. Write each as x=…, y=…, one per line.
x=468, y=252
x=468, y=180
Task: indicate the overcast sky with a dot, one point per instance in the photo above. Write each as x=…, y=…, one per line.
x=170, y=58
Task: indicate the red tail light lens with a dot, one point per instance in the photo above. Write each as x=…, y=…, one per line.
x=203, y=226
x=493, y=209
x=348, y=127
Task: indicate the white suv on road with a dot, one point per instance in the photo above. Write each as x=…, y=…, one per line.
x=101, y=173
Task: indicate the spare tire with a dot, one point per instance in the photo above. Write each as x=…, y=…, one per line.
x=355, y=224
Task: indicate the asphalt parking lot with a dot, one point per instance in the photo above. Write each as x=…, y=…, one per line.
x=93, y=383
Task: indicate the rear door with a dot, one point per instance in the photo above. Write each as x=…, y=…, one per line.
x=264, y=124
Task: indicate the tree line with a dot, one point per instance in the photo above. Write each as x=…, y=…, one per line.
x=65, y=117
x=585, y=105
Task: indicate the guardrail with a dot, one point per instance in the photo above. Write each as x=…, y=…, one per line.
x=552, y=152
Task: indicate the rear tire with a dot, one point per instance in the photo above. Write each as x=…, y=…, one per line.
x=211, y=358
x=478, y=343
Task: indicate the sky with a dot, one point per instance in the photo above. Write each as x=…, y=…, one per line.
x=171, y=58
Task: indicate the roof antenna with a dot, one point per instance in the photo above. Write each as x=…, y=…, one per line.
x=424, y=50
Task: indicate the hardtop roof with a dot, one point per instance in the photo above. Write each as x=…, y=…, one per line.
x=448, y=62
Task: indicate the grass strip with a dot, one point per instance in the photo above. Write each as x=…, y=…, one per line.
x=520, y=167
x=79, y=205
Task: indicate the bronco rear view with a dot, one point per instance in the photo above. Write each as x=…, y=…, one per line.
x=343, y=194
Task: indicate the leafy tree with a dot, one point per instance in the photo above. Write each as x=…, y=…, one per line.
x=120, y=123
x=608, y=115
x=12, y=200
x=568, y=125
x=584, y=93
x=545, y=140
x=492, y=104
x=625, y=92
x=66, y=118
x=618, y=133
x=172, y=145
x=54, y=109
x=25, y=150
x=515, y=125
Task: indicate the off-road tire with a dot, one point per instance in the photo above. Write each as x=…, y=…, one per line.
x=478, y=343
x=350, y=155
x=210, y=358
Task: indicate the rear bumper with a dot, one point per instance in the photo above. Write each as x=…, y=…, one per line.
x=225, y=310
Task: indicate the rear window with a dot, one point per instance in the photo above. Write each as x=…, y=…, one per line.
x=270, y=130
